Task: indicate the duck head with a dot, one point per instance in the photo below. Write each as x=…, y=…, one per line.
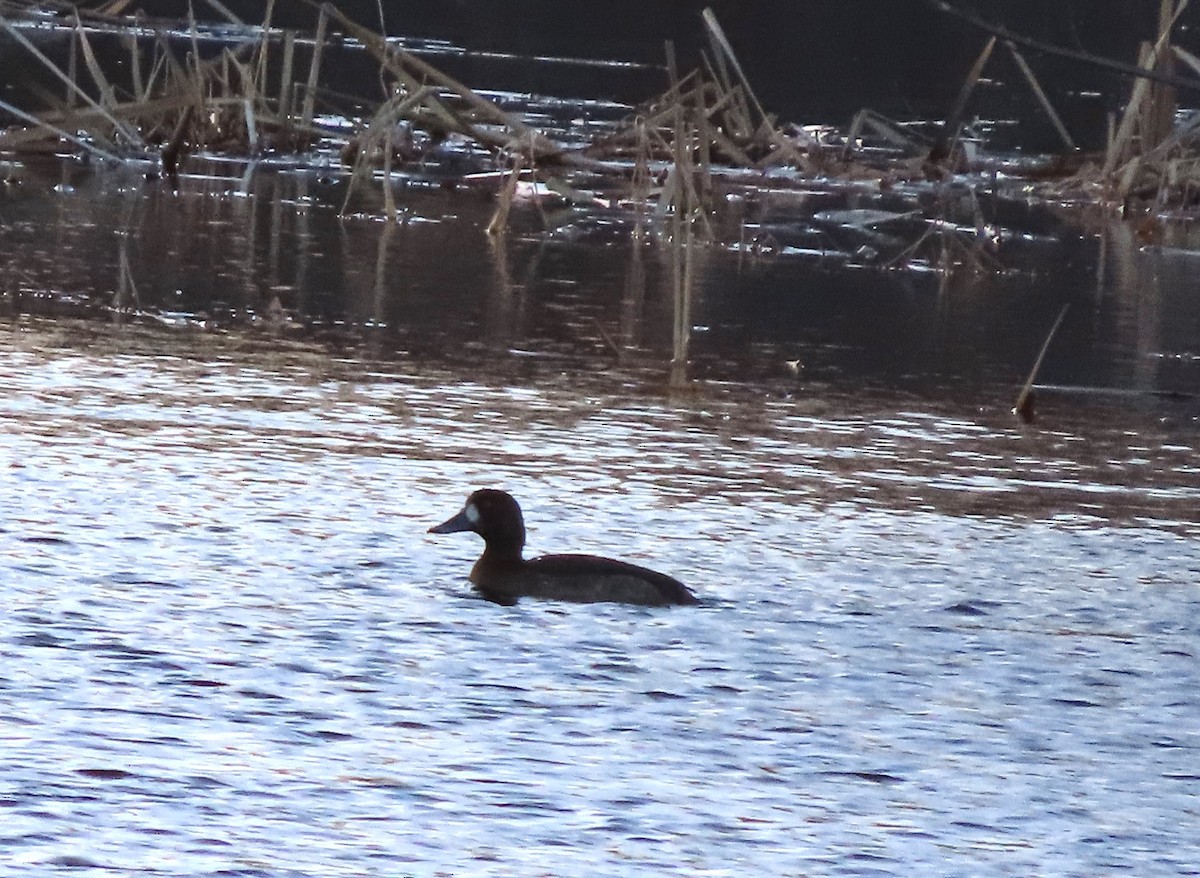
x=495, y=516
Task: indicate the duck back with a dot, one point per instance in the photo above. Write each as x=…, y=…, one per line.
x=582, y=579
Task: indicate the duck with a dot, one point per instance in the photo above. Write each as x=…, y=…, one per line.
x=502, y=575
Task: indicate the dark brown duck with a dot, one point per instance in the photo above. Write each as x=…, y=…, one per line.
x=502, y=575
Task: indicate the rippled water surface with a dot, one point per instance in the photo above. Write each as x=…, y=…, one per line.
x=933, y=640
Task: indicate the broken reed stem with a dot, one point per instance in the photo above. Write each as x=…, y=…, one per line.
x=1024, y=405
x=384, y=120
x=53, y=68
x=902, y=257
x=679, y=341
x=50, y=122
x=736, y=117
x=704, y=143
x=640, y=185
x=171, y=153
x=127, y=290
x=158, y=67
x=72, y=69
x=195, y=35
x=41, y=127
x=499, y=223
x=852, y=135
x=718, y=35
x=1165, y=16
x=135, y=67
x=251, y=126
x=411, y=70
x=672, y=68
x=680, y=189
x=607, y=339
x=1158, y=115
x=948, y=136
x=657, y=114
x=687, y=208
x=729, y=102
x=285, y=78
x=395, y=60
x=263, y=49
x=314, y=70
x=389, y=199
x=1121, y=142
x=1119, y=145
x=1036, y=88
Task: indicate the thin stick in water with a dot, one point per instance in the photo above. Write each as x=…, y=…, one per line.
x=1040, y=94
x=499, y=223
x=948, y=136
x=1024, y=407
x=314, y=70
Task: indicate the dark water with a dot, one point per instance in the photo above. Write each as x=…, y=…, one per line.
x=934, y=640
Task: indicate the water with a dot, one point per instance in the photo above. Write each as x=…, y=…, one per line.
x=933, y=640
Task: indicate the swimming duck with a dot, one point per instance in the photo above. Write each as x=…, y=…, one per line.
x=503, y=576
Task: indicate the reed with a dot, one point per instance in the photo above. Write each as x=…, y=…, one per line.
x=126, y=295
x=687, y=217
x=286, y=87
x=135, y=66
x=73, y=87
x=946, y=140
x=374, y=145
x=11, y=139
x=1040, y=94
x=499, y=222
x=1122, y=147
x=314, y=70
x=724, y=50
x=1023, y=408
x=182, y=102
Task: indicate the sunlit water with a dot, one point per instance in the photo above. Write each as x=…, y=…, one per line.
x=933, y=640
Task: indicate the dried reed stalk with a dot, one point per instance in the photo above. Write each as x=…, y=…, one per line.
x=135, y=67
x=13, y=139
x=1040, y=95
x=717, y=36
x=1120, y=148
x=53, y=68
x=127, y=290
x=389, y=198
x=1023, y=408
x=172, y=152
x=285, y=77
x=499, y=222
x=263, y=50
x=948, y=136
x=314, y=70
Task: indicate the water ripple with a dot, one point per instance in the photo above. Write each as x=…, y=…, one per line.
x=930, y=644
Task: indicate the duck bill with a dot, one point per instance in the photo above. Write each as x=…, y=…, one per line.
x=454, y=525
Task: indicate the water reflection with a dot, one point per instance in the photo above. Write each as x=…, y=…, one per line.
x=935, y=640
x=268, y=250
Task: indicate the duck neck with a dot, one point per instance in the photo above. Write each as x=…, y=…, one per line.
x=506, y=552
